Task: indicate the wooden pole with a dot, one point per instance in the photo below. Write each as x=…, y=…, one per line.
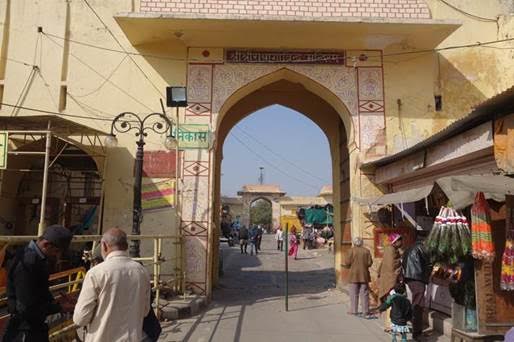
x=286, y=237
x=44, y=190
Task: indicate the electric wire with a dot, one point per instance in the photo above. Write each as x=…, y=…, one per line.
x=471, y=15
x=104, y=82
x=121, y=46
x=280, y=156
x=38, y=110
x=102, y=76
x=98, y=47
x=29, y=80
x=47, y=86
x=306, y=61
x=17, y=61
x=264, y=160
x=24, y=89
x=38, y=39
x=88, y=108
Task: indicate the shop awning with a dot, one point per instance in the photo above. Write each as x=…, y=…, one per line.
x=27, y=132
x=461, y=190
x=406, y=196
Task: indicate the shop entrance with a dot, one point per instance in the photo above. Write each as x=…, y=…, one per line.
x=53, y=175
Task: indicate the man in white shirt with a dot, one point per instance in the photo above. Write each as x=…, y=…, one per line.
x=279, y=236
x=115, y=296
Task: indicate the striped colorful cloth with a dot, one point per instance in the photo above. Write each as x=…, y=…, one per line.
x=481, y=238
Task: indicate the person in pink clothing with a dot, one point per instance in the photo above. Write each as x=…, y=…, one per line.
x=293, y=242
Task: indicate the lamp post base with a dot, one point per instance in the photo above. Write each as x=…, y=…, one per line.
x=134, y=249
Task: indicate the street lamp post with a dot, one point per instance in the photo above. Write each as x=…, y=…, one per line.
x=126, y=122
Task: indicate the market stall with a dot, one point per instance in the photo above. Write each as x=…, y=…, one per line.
x=470, y=241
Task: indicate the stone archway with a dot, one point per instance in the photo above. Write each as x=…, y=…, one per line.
x=252, y=193
x=347, y=103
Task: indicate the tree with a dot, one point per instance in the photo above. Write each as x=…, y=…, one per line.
x=260, y=212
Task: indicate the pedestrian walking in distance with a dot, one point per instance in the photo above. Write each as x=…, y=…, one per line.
x=293, y=243
x=260, y=231
x=401, y=311
x=29, y=300
x=416, y=274
x=115, y=295
x=243, y=239
x=279, y=236
x=359, y=260
x=389, y=272
x=306, y=236
x=253, y=237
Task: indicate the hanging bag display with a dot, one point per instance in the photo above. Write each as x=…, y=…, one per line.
x=482, y=240
x=450, y=238
x=507, y=272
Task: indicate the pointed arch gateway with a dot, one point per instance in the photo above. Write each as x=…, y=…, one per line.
x=223, y=94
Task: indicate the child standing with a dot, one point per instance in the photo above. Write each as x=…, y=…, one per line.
x=401, y=311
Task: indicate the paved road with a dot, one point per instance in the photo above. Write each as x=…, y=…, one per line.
x=249, y=303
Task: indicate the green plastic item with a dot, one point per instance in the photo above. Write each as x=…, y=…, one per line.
x=319, y=215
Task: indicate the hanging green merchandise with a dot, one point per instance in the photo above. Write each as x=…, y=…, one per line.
x=433, y=238
x=449, y=239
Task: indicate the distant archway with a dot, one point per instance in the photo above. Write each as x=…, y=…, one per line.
x=261, y=213
x=252, y=193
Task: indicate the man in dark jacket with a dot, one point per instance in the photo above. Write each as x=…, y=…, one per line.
x=416, y=273
x=28, y=295
x=243, y=239
x=260, y=231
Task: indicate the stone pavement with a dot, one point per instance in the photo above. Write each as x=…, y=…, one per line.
x=249, y=303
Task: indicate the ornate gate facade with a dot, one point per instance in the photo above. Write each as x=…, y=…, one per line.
x=217, y=80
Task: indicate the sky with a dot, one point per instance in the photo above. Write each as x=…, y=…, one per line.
x=292, y=149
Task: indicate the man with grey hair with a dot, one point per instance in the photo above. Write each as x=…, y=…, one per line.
x=359, y=260
x=115, y=296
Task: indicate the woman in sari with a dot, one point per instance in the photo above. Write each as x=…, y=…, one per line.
x=293, y=243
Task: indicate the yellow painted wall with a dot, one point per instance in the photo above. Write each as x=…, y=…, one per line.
x=463, y=77
x=127, y=88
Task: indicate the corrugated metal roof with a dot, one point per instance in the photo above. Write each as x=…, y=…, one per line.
x=40, y=123
x=497, y=106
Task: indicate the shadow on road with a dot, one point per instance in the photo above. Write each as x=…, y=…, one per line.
x=248, y=279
